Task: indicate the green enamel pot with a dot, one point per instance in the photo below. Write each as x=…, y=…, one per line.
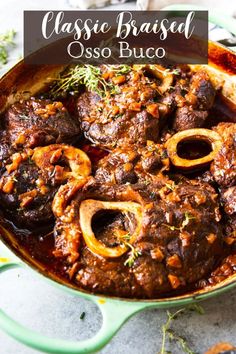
x=23, y=81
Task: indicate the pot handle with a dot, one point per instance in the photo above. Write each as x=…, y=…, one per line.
x=222, y=20
x=115, y=313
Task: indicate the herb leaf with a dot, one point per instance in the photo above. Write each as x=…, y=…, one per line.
x=90, y=76
x=6, y=40
x=182, y=342
x=82, y=315
x=187, y=218
x=170, y=186
x=133, y=253
x=172, y=227
x=119, y=69
x=172, y=336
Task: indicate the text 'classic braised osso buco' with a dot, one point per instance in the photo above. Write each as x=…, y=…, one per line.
x=112, y=37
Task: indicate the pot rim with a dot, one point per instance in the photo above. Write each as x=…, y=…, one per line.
x=225, y=66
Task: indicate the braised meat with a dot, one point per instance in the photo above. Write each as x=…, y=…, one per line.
x=37, y=122
x=5, y=150
x=228, y=197
x=31, y=178
x=128, y=165
x=127, y=116
x=133, y=184
x=177, y=244
x=25, y=193
x=223, y=167
x=230, y=230
x=198, y=101
x=188, y=118
x=203, y=90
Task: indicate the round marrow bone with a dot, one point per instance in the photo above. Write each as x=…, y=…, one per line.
x=160, y=73
x=89, y=208
x=47, y=157
x=197, y=134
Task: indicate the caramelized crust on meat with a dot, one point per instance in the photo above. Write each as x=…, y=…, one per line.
x=198, y=100
x=153, y=212
x=37, y=122
x=31, y=178
x=223, y=167
x=178, y=243
x=129, y=115
x=128, y=165
x=25, y=192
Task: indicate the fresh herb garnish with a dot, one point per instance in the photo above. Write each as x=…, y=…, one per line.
x=196, y=308
x=146, y=182
x=164, y=154
x=114, y=89
x=167, y=71
x=170, y=186
x=171, y=335
x=90, y=76
x=181, y=341
x=219, y=173
x=87, y=75
x=15, y=179
x=172, y=227
x=82, y=316
x=30, y=161
x=152, y=195
x=119, y=69
x=187, y=218
x=133, y=253
x=6, y=40
x=23, y=117
x=175, y=71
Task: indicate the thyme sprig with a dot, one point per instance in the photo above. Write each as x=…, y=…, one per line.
x=170, y=186
x=133, y=253
x=181, y=340
x=167, y=332
x=167, y=71
x=6, y=40
x=172, y=227
x=23, y=117
x=90, y=76
x=185, y=222
x=119, y=69
x=187, y=218
x=87, y=75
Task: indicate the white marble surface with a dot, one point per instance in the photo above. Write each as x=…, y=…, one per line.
x=37, y=304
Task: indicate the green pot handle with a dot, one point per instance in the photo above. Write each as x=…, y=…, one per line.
x=115, y=313
x=220, y=19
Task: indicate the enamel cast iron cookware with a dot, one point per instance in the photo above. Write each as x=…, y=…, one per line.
x=24, y=81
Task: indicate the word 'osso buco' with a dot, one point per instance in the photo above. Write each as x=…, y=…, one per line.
x=77, y=50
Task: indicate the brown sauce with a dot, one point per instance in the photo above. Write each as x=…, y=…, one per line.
x=39, y=244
